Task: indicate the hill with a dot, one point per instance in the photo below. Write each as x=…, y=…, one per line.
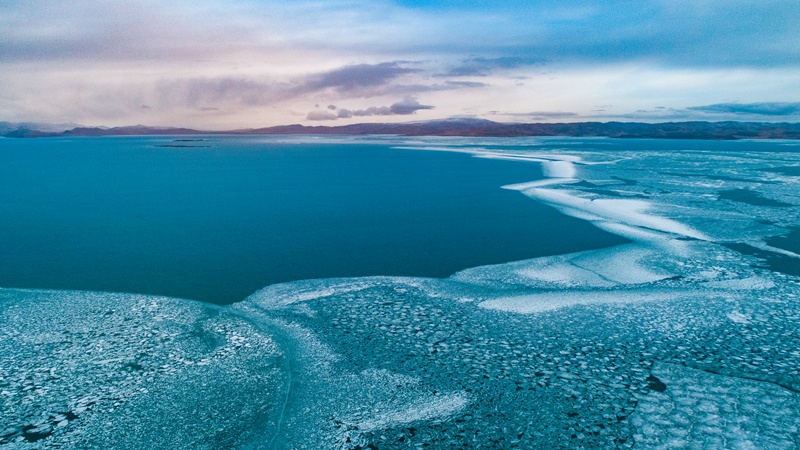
x=472, y=128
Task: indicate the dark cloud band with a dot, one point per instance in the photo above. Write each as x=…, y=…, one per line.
x=761, y=109
x=405, y=107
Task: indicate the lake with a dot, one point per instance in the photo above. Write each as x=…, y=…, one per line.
x=219, y=218
x=537, y=293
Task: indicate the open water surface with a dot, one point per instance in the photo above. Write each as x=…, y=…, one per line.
x=220, y=218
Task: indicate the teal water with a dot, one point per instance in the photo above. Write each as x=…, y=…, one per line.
x=218, y=219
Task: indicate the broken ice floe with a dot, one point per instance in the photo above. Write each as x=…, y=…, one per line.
x=332, y=404
x=98, y=370
x=697, y=409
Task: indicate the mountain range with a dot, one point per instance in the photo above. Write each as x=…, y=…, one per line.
x=454, y=127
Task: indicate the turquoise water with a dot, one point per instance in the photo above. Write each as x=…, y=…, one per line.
x=218, y=219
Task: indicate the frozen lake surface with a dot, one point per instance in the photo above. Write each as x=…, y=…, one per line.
x=683, y=334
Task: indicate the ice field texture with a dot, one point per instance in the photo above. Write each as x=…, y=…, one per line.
x=687, y=336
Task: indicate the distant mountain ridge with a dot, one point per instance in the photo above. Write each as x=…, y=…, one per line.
x=6, y=127
x=469, y=127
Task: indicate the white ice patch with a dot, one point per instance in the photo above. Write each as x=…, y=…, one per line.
x=561, y=272
x=663, y=241
x=539, y=183
x=623, y=264
x=620, y=265
x=281, y=295
x=431, y=408
x=509, y=157
x=530, y=157
x=559, y=169
x=738, y=317
x=550, y=301
x=762, y=246
x=626, y=211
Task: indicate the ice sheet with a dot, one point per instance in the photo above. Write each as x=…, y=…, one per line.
x=97, y=370
x=624, y=264
x=624, y=211
x=620, y=265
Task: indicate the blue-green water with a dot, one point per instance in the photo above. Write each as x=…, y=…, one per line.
x=226, y=216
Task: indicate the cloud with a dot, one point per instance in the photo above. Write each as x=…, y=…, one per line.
x=408, y=105
x=658, y=114
x=245, y=94
x=401, y=89
x=674, y=33
x=405, y=107
x=373, y=111
x=321, y=114
x=464, y=84
x=355, y=78
x=482, y=67
x=363, y=80
x=507, y=35
x=761, y=109
x=206, y=92
x=216, y=63
x=538, y=115
x=91, y=31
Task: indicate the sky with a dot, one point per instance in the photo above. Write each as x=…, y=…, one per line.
x=214, y=64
